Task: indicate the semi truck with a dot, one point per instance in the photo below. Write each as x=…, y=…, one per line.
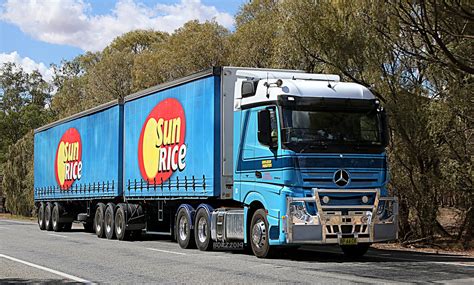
x=263, y=158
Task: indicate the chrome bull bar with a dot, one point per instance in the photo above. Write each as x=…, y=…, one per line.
x=341, y=216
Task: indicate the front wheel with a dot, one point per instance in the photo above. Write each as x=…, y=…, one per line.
x=355, y=251
x=259, y=235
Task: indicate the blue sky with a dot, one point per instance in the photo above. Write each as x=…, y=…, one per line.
x=35, y=34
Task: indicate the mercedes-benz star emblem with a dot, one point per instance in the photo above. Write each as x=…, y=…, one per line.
x=341, y=178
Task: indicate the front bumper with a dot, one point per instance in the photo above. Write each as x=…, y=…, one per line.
x=345, y=218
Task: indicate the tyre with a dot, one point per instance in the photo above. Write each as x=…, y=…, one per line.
x=41, y=221
x=55, y=217
x=67, y=226
x=184, y=234
x=121, y=223
x=355, y=251
x=48, y=216
x=202, y=230
x=99, y=220
x=109, y=221
x=259, y=235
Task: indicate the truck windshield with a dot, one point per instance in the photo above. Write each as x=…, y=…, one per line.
x=309, y=131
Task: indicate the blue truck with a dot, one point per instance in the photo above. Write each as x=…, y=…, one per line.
x=263, y=158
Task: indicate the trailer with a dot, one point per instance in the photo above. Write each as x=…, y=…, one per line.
x=264, y=158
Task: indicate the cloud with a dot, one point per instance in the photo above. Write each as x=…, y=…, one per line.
x=70, y=22
x=28, y=64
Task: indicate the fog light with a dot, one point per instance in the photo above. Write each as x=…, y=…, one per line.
x=365, y=199
x=325, y=199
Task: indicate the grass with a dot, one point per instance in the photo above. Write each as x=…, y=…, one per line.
x=8, y=216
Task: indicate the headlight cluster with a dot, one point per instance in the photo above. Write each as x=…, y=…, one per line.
x=299, y=212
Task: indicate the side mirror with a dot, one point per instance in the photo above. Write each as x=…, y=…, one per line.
x=249, y=88
x=265, y=128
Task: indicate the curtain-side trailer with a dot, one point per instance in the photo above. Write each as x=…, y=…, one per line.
x=267, y=158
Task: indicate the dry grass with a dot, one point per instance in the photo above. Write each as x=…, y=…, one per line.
x=8, y=216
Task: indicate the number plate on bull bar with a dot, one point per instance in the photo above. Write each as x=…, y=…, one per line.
x=348, y=241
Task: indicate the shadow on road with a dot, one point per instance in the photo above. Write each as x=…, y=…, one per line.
x=334, y=254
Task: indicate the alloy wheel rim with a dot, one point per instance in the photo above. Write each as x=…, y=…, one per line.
x=183, y=226
x=259, y=231
x=202, y=229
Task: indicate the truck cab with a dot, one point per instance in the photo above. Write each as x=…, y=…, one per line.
x=310, y=151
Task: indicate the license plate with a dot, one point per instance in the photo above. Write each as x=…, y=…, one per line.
x=348, y=241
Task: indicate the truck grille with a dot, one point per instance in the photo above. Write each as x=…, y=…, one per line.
x=358, y=178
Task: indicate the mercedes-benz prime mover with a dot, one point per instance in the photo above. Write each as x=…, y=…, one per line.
x=263, y=158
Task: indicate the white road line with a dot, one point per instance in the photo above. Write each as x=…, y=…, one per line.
x=59, y=273
x=56, y=235
x=4, y=228
x=166, y=251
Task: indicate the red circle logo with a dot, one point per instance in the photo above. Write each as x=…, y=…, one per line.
x=161, y=148
x=68, y=162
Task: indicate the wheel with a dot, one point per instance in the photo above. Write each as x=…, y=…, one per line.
x=202, y=230
x=48, y=215
x=109, y=218
x=99, y=220
x=184, y=235
x=41, y=221
x=55, y=217
x=67, y=226
x=355, y=251
x=259, y=235
x=121, y=223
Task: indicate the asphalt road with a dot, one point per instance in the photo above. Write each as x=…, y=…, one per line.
x=28, y=255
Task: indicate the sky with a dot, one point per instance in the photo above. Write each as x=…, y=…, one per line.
x=37, y=33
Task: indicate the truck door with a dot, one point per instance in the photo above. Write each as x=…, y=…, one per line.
x=246, y=158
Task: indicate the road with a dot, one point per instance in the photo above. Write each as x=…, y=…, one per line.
x=28, y=255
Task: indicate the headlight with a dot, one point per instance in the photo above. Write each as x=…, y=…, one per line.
x=298, y=211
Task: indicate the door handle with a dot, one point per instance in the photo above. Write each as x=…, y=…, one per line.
x=258, y=174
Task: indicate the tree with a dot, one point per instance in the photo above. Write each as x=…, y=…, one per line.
x=18, y=177
x=191, y=48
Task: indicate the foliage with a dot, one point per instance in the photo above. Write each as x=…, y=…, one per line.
x=18, y=177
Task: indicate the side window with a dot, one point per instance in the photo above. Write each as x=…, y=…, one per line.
x=268, y=127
